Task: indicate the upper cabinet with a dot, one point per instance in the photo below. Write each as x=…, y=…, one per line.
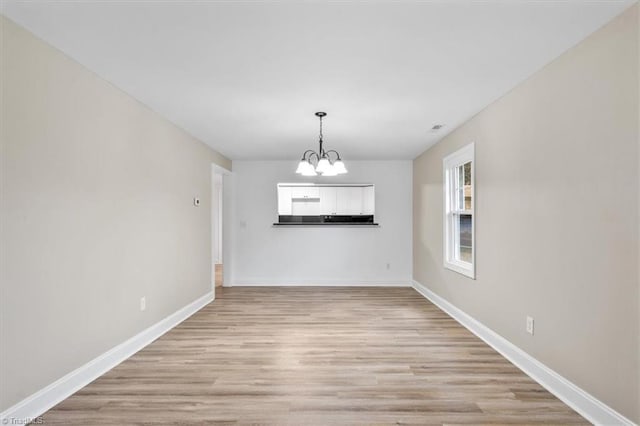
x=305, y=193
x=368, y=200
x=326, y=200
x=284, y=201
x=350, y=200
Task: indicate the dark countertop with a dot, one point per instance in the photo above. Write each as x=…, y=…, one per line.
x=358, y=224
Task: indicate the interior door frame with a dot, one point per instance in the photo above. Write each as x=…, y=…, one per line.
x=221, y=223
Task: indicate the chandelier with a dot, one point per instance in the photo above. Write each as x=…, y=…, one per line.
x=314, y=163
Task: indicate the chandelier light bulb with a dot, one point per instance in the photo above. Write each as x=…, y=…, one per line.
x=302, y=166
x=323, y=165
x=339, y=167
x=309, y=171
x=330, y=171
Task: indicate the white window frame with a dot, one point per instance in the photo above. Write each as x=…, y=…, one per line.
x=449, y=165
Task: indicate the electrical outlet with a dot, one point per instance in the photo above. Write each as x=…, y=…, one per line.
x=530, y=325
x=143, y=303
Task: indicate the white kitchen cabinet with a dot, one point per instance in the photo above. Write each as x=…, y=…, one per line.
x=369, y=201
x=349, y=200
x=305, y=200
x=302, y=192
x=325, y=200
x=305, y=206
x=328, y=195
x=284, y=201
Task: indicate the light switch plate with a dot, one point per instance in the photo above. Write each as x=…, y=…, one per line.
x=530, y=325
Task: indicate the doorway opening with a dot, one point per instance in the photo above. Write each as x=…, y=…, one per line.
x=219, y=190
x=217, y=217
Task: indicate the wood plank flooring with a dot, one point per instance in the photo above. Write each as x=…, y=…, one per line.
x=315, y=356
x=218, y=274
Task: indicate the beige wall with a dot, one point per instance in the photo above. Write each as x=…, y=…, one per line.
x=557, y=215
x=96, y=212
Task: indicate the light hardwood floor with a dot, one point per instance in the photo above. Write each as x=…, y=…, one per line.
x=315, y=356
x=218, y=274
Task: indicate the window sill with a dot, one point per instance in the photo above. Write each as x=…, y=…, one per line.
x=467, y=271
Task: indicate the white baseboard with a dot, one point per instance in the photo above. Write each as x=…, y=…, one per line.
x=581, y=401
x=38, y=403
x=253, y=282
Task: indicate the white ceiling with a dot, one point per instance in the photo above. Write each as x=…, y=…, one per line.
x=246, y=77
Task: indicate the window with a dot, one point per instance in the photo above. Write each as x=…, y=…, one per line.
x=459, y=223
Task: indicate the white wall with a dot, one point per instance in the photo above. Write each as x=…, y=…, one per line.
x=556, y=216
x=97, y=211
x=264, y=254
